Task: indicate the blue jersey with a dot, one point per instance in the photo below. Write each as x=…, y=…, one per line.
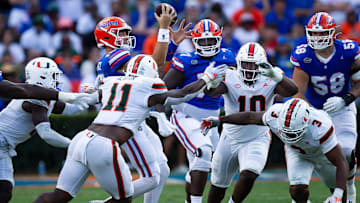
x=1, y=77
x=110, y=62
x=326, y=79
x=193, y=66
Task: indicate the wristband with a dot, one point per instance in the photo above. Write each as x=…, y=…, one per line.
x=163, y=35
x=348, y=98
x=338, y=192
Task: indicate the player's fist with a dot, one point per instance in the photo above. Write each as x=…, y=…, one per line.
x=212, y=72
x=334, y=104
x=209, y=123
x=268, y=70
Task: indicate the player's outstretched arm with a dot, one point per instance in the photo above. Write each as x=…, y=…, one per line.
x=42, y=125
x=241, y=118
x=336, y=157
x=191, y=90
x=26, y=91
x=177, y=96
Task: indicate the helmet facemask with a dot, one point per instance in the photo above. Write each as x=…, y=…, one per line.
x=207, y=46
x=322, y=40
x=293, y=121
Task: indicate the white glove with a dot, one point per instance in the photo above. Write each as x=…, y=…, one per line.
x=209, y=123
x=214, y=83
x=211, y=72
x=87, y=88
x=268, y=70
x=334, y=104
x=81, y=99
x=165, y=127
x=336, y=197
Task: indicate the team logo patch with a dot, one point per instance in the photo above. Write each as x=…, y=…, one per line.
x=307, y=60
x=140, y=129
x=194, y=61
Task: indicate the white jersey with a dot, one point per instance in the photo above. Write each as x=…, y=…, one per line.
x=125, y=100
x=16, y=124
x=241, y=97
x=319, y=137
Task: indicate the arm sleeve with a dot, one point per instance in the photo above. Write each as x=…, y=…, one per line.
x=177, y=64
x=173, y=101
x=50, y=136
x=171, y=50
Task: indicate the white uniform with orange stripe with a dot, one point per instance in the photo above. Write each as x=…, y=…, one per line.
x=124, y=102
x=242, y=147
x=307, y=155
x=15, y=128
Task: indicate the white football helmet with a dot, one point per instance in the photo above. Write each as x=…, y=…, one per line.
x=142, y=65
x=42, y=71
x=250, y=54
x=293, y=120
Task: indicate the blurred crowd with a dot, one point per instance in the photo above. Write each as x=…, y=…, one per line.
x=63, y=29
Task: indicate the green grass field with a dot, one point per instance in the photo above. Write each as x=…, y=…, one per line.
x=263, y=191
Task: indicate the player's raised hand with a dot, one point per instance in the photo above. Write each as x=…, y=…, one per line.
x=180, y=34
x=213, y=72
x=166, y=16
x=209, y=123
x=268, y=70
x=334, y=104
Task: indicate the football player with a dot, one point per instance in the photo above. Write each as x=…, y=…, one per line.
x=23, y=116
x=144, y=149
x=186, y=68
x=310, y=144
x=126, y=102
x=324, y=67
x=251, y=87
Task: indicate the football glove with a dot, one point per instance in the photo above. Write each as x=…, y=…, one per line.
x=209, y=123
x=334, y=104
x=268, y=70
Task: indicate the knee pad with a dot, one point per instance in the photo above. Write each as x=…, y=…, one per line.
x=202, y=161
x=299, y=192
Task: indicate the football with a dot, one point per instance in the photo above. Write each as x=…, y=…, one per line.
x=158, y=11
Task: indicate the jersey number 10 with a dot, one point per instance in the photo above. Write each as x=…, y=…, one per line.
x=125, y=89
